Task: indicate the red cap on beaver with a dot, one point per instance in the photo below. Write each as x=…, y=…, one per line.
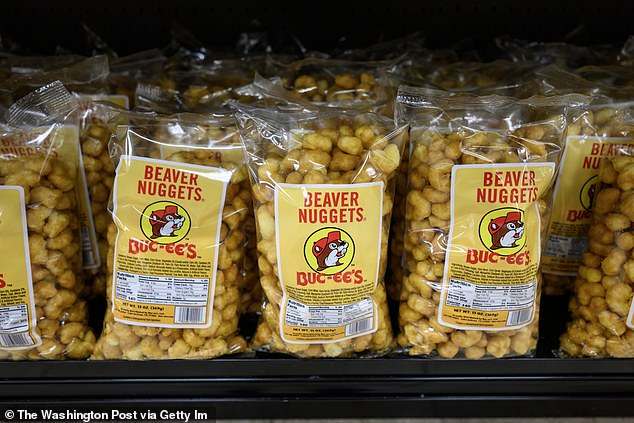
x=321, y=243
x=157, y=216
x=500, y=221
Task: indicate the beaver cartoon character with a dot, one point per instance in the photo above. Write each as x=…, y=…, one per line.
x=329, y=250
x=506, y=230
x=166, y=222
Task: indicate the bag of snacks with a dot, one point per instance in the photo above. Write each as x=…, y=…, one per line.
x=44, y=314
x=86, y=76
x=612, y=76
x=202, y=89
x=176, y=247
x=480, y=176
x=565, y=54
x=162, y=99
x=323, y=186
x=88, y=80
x=601, y=307
x=390, y=49
x=499, y=77
x=594, y=132
x=31, y=64
x=126, y=72
x=335, y=83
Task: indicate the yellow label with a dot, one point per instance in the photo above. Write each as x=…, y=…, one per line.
x=493, y=249
x=17, y=307
x=61, y=141
x=328, y=249
x=575, y=188
x=168, y=217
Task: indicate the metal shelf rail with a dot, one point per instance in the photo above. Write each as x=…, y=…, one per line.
x=283, y=387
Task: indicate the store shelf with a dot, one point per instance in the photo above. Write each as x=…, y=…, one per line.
x=389, y=387
x=267, y=385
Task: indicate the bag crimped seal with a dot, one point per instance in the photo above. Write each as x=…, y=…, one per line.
x=176, y=247
x=42, y=312
x=480, y=183
x=323, y=184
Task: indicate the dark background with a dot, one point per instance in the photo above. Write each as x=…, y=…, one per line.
x=128, y=26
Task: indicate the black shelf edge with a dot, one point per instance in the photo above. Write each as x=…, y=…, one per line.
x=275, y=366
x=244, y=387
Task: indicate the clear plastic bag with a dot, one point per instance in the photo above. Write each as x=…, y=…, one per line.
x=39, y=182
x=346, y=161
x=127, y=71
x=88, y=80
x=199, y=90
x=479, y=189
x=202, y=89
x=85, y=75
x=98, y=179
x=564, y=54
x=177, y=244
x=593, y=133
x=601, y=306
x=386, y=50
x=499, y=77
x=612, y=76
x=337, y=83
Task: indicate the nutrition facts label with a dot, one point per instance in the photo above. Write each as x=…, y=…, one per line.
x=482, y=297
x=14, y=318
x=190, y=292
x=566, y=247
x=357, y=317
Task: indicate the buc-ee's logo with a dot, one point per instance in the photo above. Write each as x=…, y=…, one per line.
x=329, y=250
x=165, y=222
x=588, y=191
x=502, y=231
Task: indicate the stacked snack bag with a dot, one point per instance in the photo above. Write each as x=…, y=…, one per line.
x=45, y=312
